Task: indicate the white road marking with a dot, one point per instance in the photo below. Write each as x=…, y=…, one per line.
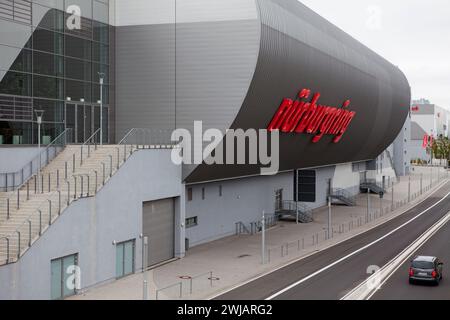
x=355, y=252
x=365, y=291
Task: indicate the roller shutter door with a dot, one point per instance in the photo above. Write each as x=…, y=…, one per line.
x=159, y=227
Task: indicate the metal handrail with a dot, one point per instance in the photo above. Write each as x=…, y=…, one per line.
x=148, y=137
x=25, y=174
x=90, y=141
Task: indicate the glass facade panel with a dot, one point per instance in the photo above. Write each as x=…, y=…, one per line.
x=43, y=63
x=48, y=87
x=78, y=69
x=101, y=32
x=78, y=48
x=100, y=53
x=78, y=90
x=23, y=62
x=48, y=64
x=15, y=83
x=48, y=41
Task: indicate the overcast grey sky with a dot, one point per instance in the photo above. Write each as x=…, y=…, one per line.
x=412, y=34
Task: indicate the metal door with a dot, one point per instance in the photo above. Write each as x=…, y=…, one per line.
x=159, y=227
x=125, y=257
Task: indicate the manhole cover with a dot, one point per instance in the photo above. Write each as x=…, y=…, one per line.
x=244, y=256
x=185, y=277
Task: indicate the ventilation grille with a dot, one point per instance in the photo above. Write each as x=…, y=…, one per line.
x=17, y=10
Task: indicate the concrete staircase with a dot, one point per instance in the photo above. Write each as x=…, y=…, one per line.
x=77, y=172
x=72, y=175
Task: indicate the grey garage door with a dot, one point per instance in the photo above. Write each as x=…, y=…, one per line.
x=159, y=227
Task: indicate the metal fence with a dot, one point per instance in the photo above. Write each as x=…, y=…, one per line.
x=375, y=212
x=187, y=286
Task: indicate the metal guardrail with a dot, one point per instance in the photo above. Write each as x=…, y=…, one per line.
x=186, y=286
x=94, y=141
x=15, y=180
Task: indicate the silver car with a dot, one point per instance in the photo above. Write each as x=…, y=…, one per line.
x=424, y=268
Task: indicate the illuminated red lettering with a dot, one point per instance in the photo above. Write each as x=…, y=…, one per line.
x=281, y=114
x=309, y=117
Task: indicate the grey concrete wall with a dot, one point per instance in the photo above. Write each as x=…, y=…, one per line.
x=89, y=227
x=243, y=200
x=13, y=159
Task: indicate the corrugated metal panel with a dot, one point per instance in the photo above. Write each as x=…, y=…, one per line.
x=299, y=49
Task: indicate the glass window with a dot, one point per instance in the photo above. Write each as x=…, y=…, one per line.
x=15, y=132
x=101, y=32
x=77, y=69
x=15, y=83
x=78, y=90
x=53, y=110
x=49, y=41
x=101, y=12
x=48, y=64
x=22, y=62
x=100, y=53
x=48, y=87
x=191, y=222
x=78, y=48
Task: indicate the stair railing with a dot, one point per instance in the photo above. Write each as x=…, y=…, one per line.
x=344, y=194
x=92, y=141
x=12, y=181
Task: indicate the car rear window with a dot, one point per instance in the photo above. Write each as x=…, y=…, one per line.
x=423, y=265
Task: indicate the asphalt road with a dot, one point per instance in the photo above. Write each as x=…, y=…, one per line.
x=323, y=277
x=397, y=286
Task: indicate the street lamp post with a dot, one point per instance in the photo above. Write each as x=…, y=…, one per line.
x=101, y=79
x=39, y=115
x=263, y=238
x=330, y=235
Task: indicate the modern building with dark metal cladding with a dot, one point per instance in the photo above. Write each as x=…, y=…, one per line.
x=236, y=63
x=340, y=109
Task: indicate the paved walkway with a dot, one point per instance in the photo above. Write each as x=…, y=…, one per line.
x=235, y=260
